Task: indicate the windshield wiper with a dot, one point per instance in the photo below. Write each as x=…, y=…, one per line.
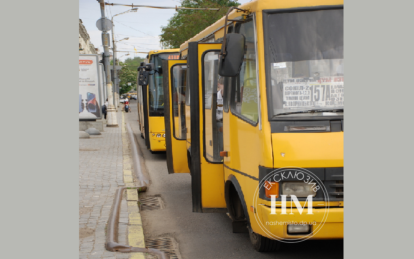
x=311, y=111
x=328, y=110
x=287, y=113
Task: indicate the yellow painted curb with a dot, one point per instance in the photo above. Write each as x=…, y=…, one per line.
x=128, y=179
x=135, y=230
x=132, y=195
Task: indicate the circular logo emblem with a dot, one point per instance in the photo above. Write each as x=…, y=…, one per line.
x=290, y=204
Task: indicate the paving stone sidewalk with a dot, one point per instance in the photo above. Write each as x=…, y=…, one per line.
x=100, y=175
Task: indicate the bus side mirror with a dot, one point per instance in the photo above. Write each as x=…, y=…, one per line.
x=232, y=55
x=143, y=73
x=149, y=67
x=159, y=70
x=142, y=77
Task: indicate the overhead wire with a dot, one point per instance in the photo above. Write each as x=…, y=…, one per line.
x=156, y=7
x=110, y=12
x=116, y=35
x=137, y=30
x=165, y=7
x=122, y=33
x=140, y=44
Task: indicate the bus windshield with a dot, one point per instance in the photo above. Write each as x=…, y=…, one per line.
x=156, y=91
x=304, y=62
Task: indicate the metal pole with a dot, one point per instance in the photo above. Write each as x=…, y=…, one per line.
x=117, y=87
x=111, y=112
x=116, y=101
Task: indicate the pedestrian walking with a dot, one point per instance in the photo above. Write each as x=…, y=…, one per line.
x=105, y=108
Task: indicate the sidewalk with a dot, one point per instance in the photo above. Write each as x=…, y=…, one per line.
x=104, y=165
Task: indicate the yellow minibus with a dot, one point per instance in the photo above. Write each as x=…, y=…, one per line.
x=254, y=112
x=150, y=99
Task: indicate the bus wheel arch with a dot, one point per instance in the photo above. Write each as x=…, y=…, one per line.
x=233, y=192
x=236, y=204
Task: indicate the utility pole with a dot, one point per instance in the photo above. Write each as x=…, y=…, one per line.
x=111, y=112
x=116, y=81
x=114, y=64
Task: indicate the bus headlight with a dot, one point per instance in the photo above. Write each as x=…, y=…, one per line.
x=163, y=135
x=158, y=135
x=299, y=189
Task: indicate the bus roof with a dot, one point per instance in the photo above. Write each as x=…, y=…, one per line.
x=257, y=6
x=152, y=52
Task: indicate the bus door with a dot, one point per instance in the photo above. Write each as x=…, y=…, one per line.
x=139, y=107
x=206, y=165
x=175, y=86
x=243, y=141
x=143, y=103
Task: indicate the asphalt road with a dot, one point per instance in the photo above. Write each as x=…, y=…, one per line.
x=204, y=235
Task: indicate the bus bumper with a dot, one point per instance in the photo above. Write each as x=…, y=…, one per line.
x=157, y=143
x=329, y=226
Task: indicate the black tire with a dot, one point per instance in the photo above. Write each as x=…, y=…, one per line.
x=263, y=244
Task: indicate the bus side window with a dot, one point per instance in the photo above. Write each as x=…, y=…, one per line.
x=188, y=89
x=227, y=84
x=213, y=107
x=244, y=90
x=228, y=81
x=178, y=98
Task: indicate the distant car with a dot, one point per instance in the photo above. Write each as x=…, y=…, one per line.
x=122, y=100
x=134, y=97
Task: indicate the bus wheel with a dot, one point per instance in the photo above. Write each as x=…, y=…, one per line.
x=263, y=244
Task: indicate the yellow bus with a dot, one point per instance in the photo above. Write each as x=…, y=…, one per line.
x=150, y=99
x=254, y=112
x=130, y=94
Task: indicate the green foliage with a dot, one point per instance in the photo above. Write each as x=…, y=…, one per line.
x=185, y=24
x=128, y=74
x=136, y=61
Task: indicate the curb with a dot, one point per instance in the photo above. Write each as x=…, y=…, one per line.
x=135, y=230
x=112, y=232
x=136, y=239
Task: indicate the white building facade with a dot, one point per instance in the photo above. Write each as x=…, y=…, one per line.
x=85, y=45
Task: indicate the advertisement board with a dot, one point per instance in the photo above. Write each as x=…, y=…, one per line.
x=89, y=88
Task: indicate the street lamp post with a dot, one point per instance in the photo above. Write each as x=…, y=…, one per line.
x=111, y=113
x=116, y=89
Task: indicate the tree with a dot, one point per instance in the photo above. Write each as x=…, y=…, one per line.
x=185, y=24
x=128, y=74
